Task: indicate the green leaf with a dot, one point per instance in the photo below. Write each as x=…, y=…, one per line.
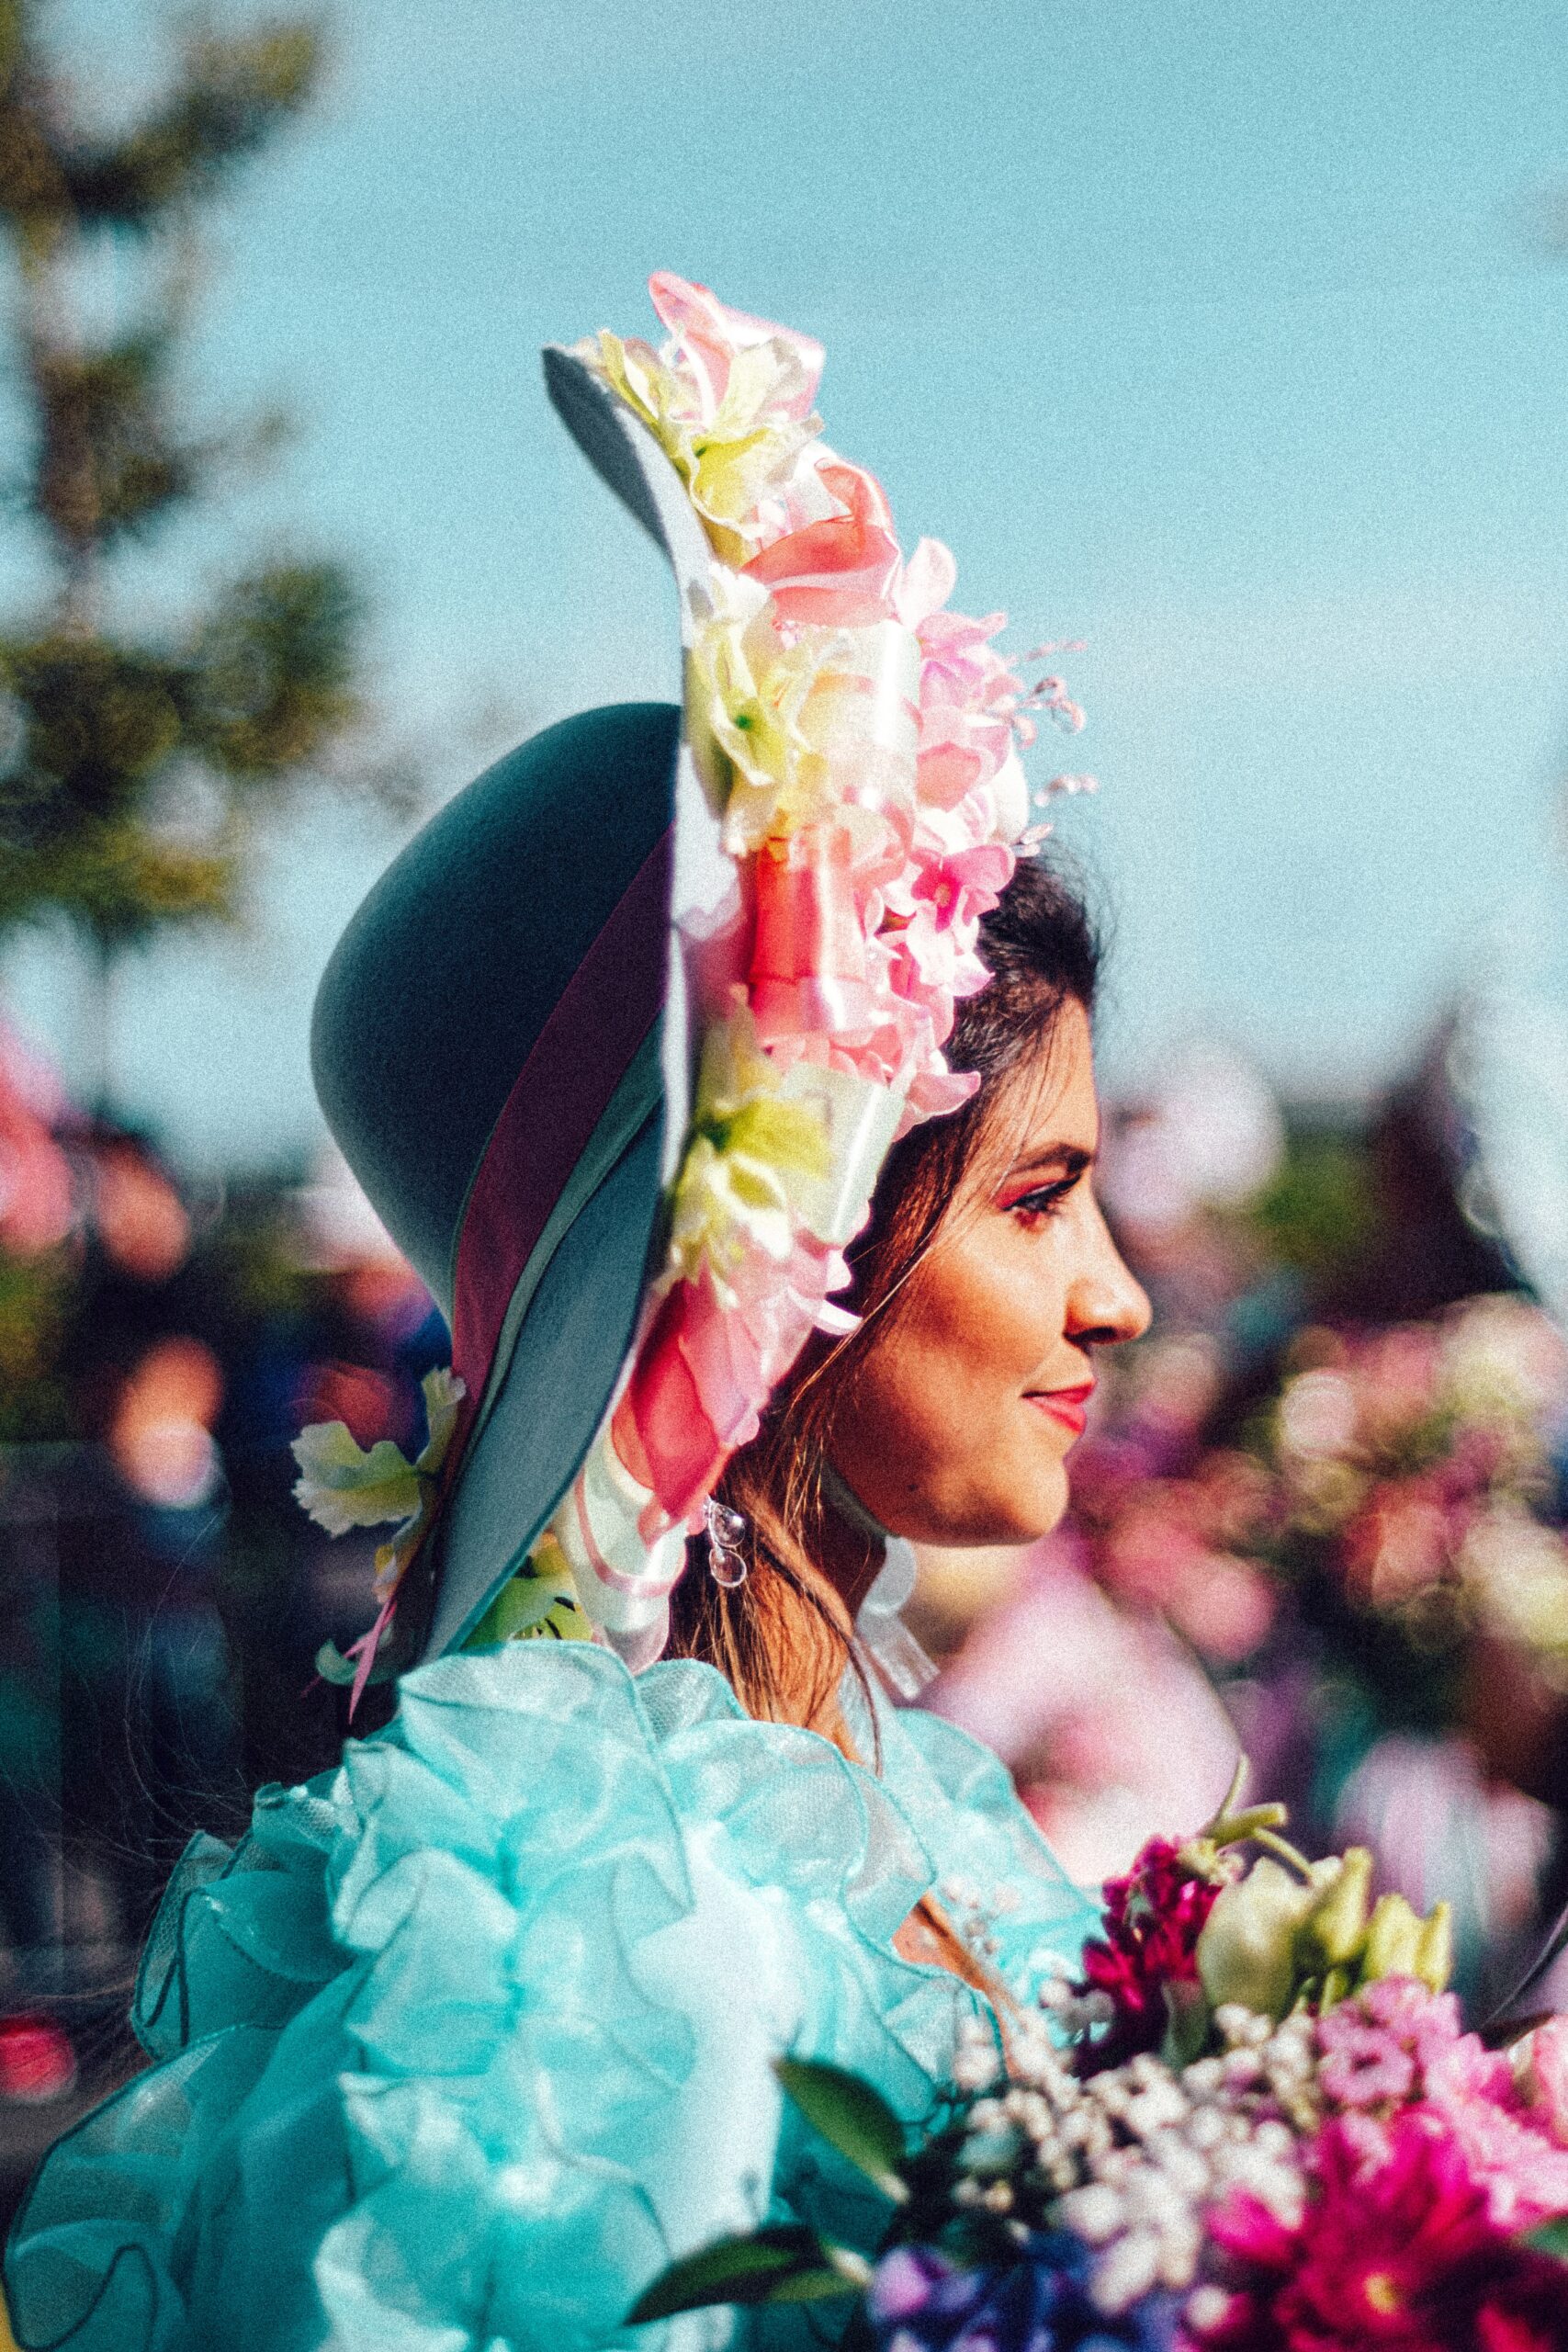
x=1187, y=2024
x=850, y=2117
x=1551, y=2239
x=846, y=2274
x=784, y=2264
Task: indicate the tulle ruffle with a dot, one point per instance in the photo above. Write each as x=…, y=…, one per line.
x=468, y=2038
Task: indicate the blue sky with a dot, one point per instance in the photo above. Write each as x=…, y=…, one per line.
x=1222, y=336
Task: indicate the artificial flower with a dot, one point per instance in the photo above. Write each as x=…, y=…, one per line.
x=751, y=1150
x=841, y=570
x=938, y=900
x=746, y=691
x=341, y=1485
x=797, y=725
x=729, y=399
x=705, y=334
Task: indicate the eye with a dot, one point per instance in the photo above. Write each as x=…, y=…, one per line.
x=1045, y=1199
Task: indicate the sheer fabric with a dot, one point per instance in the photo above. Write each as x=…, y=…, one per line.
x=468, y=2038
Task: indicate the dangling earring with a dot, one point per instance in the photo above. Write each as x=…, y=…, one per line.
x=725, y=1533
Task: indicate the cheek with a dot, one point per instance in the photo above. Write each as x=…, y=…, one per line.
x=989, y=1306
x=980, y=1322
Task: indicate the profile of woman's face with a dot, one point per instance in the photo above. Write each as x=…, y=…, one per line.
x=957, y=1426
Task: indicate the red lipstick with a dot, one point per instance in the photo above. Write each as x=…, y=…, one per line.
x=1068, y=1406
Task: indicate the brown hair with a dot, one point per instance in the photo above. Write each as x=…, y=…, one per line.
x=782, y=1637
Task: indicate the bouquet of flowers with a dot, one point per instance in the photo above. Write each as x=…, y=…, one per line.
x=1254, y=2124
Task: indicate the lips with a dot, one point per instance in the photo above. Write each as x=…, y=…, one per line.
x=1068, y=1406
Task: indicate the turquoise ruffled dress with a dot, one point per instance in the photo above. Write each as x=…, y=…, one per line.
x=468, y=2038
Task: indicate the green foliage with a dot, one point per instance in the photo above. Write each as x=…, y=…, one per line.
x=105, y=464
x=37, y=1297
x=230, y=93
x=270, y=677
x=850, y=2117
x=784, y=2263
x=134, y=757
x=1320, y=1212
x=781, y=2265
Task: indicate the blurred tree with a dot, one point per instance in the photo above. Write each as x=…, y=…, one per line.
x=134, y=754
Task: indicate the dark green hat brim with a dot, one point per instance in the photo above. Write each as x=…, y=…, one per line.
x=503, y=1048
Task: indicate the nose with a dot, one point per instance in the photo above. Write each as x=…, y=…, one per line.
x=1106, y=1303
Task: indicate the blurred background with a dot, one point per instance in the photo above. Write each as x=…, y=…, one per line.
x=1231, y=342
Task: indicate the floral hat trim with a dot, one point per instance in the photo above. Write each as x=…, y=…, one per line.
x=859, y=743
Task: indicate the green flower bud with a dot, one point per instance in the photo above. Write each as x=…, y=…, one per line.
x=1393, y=1938
x=1247, y=1951
x=1434, y=1948
x=1336, y=1926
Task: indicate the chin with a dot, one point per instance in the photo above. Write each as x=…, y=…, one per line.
x=1050, y=1505
x=1036, y=1507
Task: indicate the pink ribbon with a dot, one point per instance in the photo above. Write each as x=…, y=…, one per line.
x=809, y=966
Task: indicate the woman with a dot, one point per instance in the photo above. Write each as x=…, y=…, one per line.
x=470, y=2037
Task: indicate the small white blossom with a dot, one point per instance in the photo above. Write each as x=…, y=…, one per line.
x=1095, y=2213
x=1128, y=2269
x=1206, y=2309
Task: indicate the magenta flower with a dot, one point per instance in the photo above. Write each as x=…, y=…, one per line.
x=1395, y=2248
x=1152, y=1919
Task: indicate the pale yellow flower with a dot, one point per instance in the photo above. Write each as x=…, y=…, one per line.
x=751, y=1157
x=749, y=451
x=786, y=727
x=746, y=698
x=342, y=1486
x=1248, y=1949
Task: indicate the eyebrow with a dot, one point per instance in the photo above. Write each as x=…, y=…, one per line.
x=1073, y=1156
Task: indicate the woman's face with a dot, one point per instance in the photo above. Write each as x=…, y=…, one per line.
x=957, y=1426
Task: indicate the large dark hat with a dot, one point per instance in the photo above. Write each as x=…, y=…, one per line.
x=502, y=1049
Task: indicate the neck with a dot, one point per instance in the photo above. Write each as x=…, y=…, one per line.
x=851, y=1545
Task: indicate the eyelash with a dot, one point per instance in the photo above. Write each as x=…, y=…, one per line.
x=1045, y=1199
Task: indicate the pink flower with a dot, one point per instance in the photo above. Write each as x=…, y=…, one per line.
x=707, y=335
x=937, y=904
x=1511, y=2151
x=1394, y=2249
x=951, y=891
x=1365, y=2065
x=1397, y=2043
x=969, y=693
x=838, y=571
x=1541, y=2068
x=708, y=1367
